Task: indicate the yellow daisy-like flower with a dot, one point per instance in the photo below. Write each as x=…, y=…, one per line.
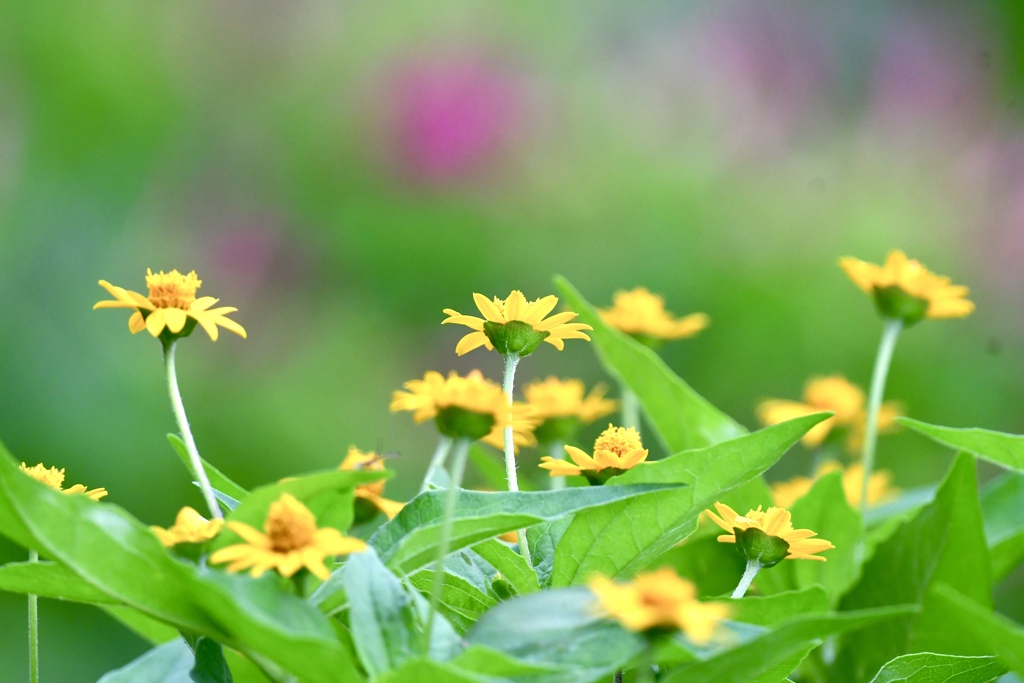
x=659, y=600
x=54, y=478
x=515, y=325
x=466, y=407
x=905, y=289
x=774, y=522
x=616, y=450
x=189, y=527
x=642, y=314
x=563, y=407
x=833, y=393
x=171, y=305
x=374, y=491
x=292, y=541
x=880, y=488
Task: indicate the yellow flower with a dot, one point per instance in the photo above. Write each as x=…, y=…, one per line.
x=642, y=314
x=616, y=450
x=880, y=488
x=905, y=289
x=466, y=407
x=171, y=305
x=563, y=407
x=833, y=393
x=292, y=541
x=659, y=600
x=54, y=478
x=374, y=491
x=774, y=522
x=515, y=326
x=189, y=527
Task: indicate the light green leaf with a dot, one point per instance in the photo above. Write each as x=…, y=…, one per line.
x=928, y=667
x=146, y=627
x=409, y=541
x=49, y=580
x=218, y=480
x=167, y=663
x=510, y=564
x=773, y=609
x=682, y=418
x=427, y=671
x=619, y=539
x=1002, y=500
x=1006, y=450
x=980, y=624
x=944, y=542
x=461, y=601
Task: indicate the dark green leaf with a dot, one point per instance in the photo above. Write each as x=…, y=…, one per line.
x=1002, y=500
x=928, y=667
x=682, y=418
x=167, y=663
x=1006, y=450
x=210, y=665
x=994, y=632
x=49, y=580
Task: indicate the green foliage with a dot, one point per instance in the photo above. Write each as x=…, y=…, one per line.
x=929, y=667
x=1006, y=450
x=993, y=632
x=49, y=580
x=168, y=663
x=1002, y=500
x=218, y=480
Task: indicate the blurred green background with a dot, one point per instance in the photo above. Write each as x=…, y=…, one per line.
x=341, y=172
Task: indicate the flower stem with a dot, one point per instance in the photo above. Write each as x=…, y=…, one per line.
x=33, y=629
x=186, y=433
x=461, y=451
x=556, y=449
x=507, y=384
x=444, y=446
x=753, y=567
x=890, y=334
x=630, y=408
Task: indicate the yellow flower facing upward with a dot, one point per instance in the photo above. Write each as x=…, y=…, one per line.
x=880, y=488
x=54, y=478
x=373, y=492
x=774, y=522
x=466, y=407
x=905, y=289
x=562, y=406
x=172, y=306
x=659, y=600
x=189, y=527
x=616, y=450
x=833, y=393
x=642, y=314
x=291, y=541
x=515, y=326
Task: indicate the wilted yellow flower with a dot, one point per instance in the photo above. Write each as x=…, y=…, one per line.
x=642, y=314
x=515, y=326
x=833, y=393
x=562, y=406
x=880, y=488
x=905, y=289
x=292, y=541
x=659, y=600
x=171, y=305
x=616, y=450
x=54, y=478
x=466, y=407
x=374, y=491
x=775, y=522
x=189, y=527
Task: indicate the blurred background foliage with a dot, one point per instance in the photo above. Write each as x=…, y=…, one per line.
x=341, y=172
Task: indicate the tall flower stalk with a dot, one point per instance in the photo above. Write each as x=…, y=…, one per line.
x=33, y=628
x=437, y=460
x=508, y=380
x=890, y=335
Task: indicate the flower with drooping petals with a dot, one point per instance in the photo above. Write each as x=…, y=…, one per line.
x=642, y=315
x=291, y=541
x=616, y=450
x=659, y=600
x=189, y=527
x=54, y=478
x=562, y=407
x=171, y=310
x=515, y=326
x=880, y=488
x=373, y=492
x=906, y=290
x=774, y=523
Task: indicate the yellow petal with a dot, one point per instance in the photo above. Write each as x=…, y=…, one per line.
x=490, y=310
x=155, y=322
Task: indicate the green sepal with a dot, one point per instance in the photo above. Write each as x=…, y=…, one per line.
x=166, y=336
x=459, y=423
x=514, y=338
x=757, y=546
x=894, y=302
x=598, y=477
x=557, y=429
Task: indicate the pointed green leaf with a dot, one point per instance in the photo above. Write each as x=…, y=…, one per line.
x=510, y=564
x=682, y=418
x=49, y=580
x=773, y=609
x=218, y=480
x=928, y=667
x=980, y=624
x=1002, y=500
x=210, y=665
x=1006, y=450
x=167, y=663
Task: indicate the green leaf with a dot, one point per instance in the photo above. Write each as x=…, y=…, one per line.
x=410, y=540
x=928, y=667
x=218, y=480
x=773, y=609
x=461, y=601
x=681, y=417
x=618, y=539
x=711, y=565
x=1002, y=500
x=427, y=671
x=167, y=663
x=944, y=542
x=1006, y=450
x=49, y=580
x=745, y=662
x=980, y=624
x=510, y=564
x=823, y=509
x=147, y=628
x=210, y=665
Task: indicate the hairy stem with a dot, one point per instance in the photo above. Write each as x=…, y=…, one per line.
x=753, y=567
x=444, y=446
x=890, y=334
x=33, y=629
x=556, y=449
x=630, y=409
x=507, y=384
